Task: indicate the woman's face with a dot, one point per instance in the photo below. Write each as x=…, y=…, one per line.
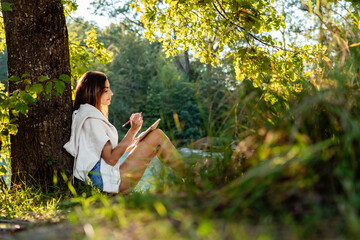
x=107, y=93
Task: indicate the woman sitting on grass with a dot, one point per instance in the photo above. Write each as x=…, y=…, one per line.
x=94, y=141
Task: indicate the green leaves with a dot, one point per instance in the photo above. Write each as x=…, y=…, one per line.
x=43, y=78
x=22, y=107
x=37, y=87
x=64, y=77
x=2, y=170
x=19, y=101
x=86, y=52
x=27, y=97
x=48, y=87
x=25, y=75
x=59, y=86
x=14, y=79
x=216, y=30
x=201, y=25
x=2, y=36
x=6, y=6
x=70, y=6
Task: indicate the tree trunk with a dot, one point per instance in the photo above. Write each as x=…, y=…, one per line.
x=37, y=44
x=187, y=62
x=178, y=64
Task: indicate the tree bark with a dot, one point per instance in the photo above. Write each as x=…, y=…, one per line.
x=187, y=62
x=37, y=44
x=178, y=64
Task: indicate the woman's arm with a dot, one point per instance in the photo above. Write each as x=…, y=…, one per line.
x=111, y=156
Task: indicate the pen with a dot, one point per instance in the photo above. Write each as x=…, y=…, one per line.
x=126, y=123
x=129, y=120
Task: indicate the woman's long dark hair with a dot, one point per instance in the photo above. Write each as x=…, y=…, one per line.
x=89, y=89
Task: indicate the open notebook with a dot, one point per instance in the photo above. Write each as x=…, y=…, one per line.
x=146, y=132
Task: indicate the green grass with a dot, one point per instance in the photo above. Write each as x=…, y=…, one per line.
x=296, y=179
x=27, y=203
x=162, y=216
x=252, y=206
x=137, y=216
x=170, y=212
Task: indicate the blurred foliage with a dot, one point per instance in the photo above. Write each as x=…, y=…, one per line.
x=288, y=133
x=280, y=148
x=215, y=30
x=27, y=203
x=70, y=6
x=144, y=80
x=86, y=51
x=2, y=36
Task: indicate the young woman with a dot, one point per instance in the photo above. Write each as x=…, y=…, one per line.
x=94, y=141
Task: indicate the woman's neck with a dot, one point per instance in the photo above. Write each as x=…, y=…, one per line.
x=104, y=110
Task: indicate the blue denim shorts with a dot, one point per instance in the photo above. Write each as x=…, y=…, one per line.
x=95, y=176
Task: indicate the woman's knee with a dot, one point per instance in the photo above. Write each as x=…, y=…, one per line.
x=158, y=132
x=157, y=135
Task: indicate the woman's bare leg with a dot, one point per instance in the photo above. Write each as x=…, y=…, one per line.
x=135, y=164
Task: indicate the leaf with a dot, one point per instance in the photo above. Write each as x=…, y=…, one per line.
x=22, y=107
x=12, y=129
x=2, y=170
x=3, y=95
x=27, y=81
x=38, y=88
x=48, y=87
x=25, y=75
x=27, y=98
x=43, y=78
x=354, y=44
x=6, y=6
x=82, y=69
x=59, y=86
x=14, y=79
x=65, y=77
x=55, y=93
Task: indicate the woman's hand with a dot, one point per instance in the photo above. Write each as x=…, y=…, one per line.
x=136, y=122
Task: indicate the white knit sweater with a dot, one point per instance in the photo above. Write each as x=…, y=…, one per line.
x=90, y=130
